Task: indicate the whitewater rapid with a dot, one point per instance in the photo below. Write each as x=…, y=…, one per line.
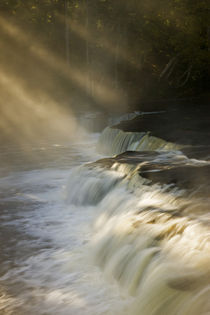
x=97, y=238
x=152, y=239
x=45, y=260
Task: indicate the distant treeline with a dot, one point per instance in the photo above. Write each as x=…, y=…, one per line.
x=143, y=49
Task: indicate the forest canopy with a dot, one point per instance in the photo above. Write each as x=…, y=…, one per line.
x=109, y=52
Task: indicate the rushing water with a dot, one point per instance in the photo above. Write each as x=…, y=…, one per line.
x=87, y=240
x=44, y=263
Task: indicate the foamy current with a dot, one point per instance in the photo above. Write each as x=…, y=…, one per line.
x=86, y=239
x=45, y=261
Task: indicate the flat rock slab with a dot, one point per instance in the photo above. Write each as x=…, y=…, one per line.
x=165, y=168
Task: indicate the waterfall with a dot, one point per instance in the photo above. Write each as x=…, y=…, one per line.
x=115, y=141
x=151, y=238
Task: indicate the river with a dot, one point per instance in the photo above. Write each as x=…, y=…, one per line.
x=71, y=243
x=44, y=264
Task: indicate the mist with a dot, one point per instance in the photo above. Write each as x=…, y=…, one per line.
x=61, y=58
x=104, y=157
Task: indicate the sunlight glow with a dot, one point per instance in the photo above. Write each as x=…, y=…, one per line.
x=104, y=93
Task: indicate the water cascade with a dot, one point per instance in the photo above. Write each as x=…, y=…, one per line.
x=122, y=235
x=115, y=141
x=151, y=238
